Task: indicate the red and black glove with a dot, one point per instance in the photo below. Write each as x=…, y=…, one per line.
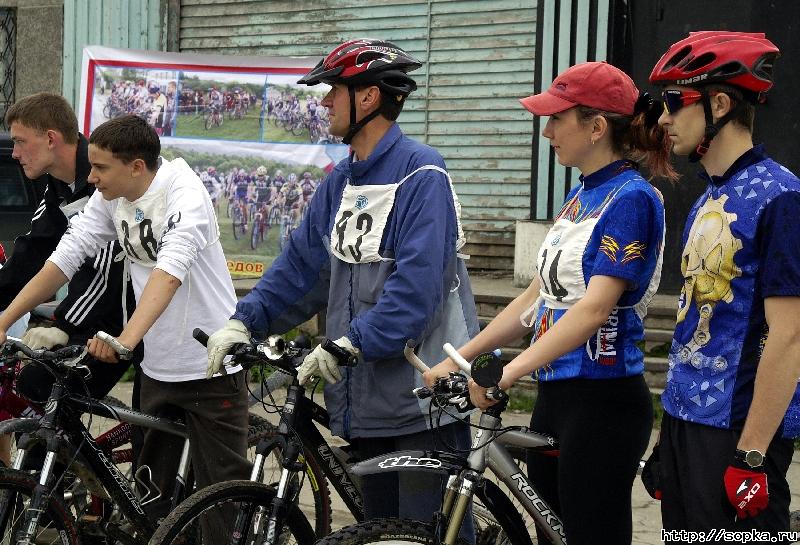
x=746, y=488
x=651, y=474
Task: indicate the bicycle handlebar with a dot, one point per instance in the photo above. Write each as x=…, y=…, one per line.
x=68, y=358
x=275, y=350
x=447, y=384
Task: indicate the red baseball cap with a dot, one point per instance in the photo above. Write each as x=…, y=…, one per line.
x=593, y=84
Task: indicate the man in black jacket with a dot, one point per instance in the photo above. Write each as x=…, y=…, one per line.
x=47, y=144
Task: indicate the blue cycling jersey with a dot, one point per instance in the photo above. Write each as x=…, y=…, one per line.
x=611, y=225
x=741, y=245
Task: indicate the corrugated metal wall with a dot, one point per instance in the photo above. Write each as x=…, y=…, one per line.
x=479, y=59
x=115, y=23
x=569, y=32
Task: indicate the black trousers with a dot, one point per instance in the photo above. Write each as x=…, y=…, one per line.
x=694, y=458
x=603, y=427
x=215, y=412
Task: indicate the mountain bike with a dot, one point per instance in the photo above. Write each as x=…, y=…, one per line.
x=465, y=476
x=260, y=227
x=270, y=514
x=79, y=495
x=309, y=461
x=213, y=117
x=239, y=219
x=287, y=226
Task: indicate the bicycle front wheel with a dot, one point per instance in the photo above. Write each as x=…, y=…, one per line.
x=55, y=523
x=232, y=512
x=396, y=531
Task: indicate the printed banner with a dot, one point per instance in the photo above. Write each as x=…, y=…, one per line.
x=258, y=141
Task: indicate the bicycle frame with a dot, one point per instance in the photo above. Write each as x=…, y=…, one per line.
x=488, y=451
x=61, y=429
x=299, y=435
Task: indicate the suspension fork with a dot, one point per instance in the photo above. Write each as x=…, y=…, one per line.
x=40, y=498
x=457, y=499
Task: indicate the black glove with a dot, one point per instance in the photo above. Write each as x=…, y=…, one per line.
x=651, y=474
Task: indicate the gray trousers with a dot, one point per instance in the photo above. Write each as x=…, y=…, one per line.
x=215, y=412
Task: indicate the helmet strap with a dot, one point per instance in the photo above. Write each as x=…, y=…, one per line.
x=355, y=127
x=712, y=129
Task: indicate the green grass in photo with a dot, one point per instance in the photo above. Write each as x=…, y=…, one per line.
x=193, y=126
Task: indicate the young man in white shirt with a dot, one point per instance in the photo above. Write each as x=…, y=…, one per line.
x=163, y=217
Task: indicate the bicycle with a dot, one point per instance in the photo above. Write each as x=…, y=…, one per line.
x=324, y=464
x=213, y=118
x=260, y=226
x=287, y=226
x=239, y=216
x=98, y=501
x=490, y=449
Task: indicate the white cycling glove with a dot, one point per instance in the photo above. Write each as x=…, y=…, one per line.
x=220, y=343
x=322, y=363
x=45, y=337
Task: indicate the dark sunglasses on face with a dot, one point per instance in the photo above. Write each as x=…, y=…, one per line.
x=675, y=99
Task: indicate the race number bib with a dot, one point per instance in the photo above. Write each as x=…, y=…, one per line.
x=140, y=224
x=361, y=219
x=360, y=222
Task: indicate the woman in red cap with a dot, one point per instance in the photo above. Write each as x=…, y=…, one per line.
x=598, y=268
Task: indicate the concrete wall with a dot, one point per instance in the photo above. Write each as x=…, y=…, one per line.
x=40, y=41
x=529, y=237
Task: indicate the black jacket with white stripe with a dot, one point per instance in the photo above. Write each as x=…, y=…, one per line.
x=94, y=297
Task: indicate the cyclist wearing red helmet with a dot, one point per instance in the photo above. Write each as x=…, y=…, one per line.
x=726, y=442
x=379, y=248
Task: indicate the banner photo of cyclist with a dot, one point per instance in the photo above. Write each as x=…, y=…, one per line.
x=256, y=139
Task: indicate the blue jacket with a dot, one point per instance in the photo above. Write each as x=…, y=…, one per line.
x=419, y=291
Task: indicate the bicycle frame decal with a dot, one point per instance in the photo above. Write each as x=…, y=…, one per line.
x=539, y=504
x=409, y=461
x=344, y=480
x=118, y=477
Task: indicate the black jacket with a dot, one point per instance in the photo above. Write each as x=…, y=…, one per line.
x=94, y=298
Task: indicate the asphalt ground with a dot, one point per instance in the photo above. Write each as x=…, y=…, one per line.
x=646, y=511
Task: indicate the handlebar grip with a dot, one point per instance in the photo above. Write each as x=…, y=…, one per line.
x=463, y=364
x=200, y=336
x=123, y=352
x=343, y=357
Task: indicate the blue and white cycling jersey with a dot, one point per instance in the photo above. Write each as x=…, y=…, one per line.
x=741, y=245
x=612, y=225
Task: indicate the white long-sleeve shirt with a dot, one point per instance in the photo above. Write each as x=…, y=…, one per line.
x=172, y=227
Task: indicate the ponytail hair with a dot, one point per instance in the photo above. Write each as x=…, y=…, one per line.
x=639, y=137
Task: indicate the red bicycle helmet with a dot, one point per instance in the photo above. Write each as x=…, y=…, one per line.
x=741, y=59
x=366, y=62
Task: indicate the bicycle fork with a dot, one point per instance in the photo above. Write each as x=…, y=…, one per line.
x=457, y=498
x=40, y=498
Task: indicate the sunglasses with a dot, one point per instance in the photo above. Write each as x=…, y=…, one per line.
x=675, y=99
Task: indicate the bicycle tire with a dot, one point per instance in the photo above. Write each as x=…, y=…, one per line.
x=497, y=519
x=238, y=223
x=255, y=234
x=396, y=531
x=16, y=485
x=243, y=497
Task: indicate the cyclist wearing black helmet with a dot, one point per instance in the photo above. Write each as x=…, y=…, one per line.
x=379, y=248
x=725, y=442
